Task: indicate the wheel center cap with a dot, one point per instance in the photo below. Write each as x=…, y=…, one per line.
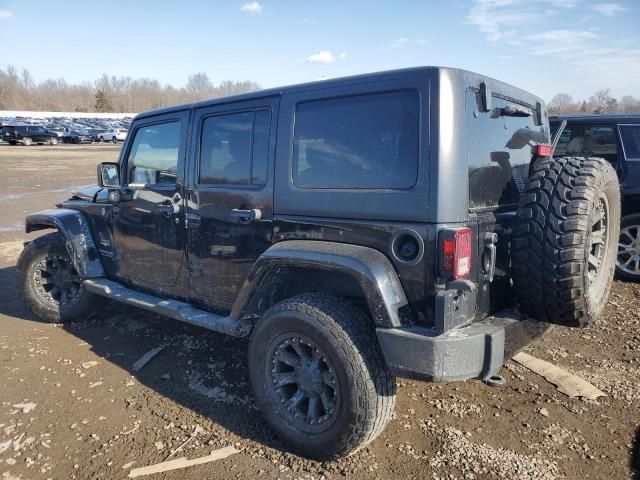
x=309, y=377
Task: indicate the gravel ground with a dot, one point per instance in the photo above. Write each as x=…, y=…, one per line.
x=72, y=406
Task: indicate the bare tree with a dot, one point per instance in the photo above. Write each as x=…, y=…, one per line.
x=199, y=86
x=629, y=104
x=602, y=101
x=562, y=103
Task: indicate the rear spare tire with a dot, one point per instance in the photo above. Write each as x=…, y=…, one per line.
x=565, y=240
x=319, y=377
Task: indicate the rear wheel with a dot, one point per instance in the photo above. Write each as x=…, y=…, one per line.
x=628, y=260
x=13, y=143
x=114, y=140
x=26, y=141
x=53, y=141
x=50, y=285
x=564, y=244
x=319, y=377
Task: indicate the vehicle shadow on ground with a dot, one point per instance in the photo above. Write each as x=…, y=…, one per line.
x=635, y=456
x=208, y=371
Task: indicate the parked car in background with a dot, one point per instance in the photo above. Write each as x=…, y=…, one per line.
x=59, y=131
x=96, y=133
x=615, y=138
x=77, y=136
x=27, y=135
x=114, y=135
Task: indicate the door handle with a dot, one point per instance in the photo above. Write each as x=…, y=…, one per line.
x=490, y=240
x=164, y=209
x=247, y=216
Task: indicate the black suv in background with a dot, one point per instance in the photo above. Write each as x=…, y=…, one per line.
x=28, y=134
x=617, y=139
x=353, y=229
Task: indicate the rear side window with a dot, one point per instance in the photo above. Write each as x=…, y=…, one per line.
x=360, y=142
x=234, y=148
x=596, y=140
x=153, y=158
x=631, y=141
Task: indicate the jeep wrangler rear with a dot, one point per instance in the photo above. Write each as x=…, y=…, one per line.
x=355, y=229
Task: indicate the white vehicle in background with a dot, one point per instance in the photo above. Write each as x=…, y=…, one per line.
x=114, y=135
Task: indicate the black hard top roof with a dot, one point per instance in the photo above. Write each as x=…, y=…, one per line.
x=598, y=117
x=331, y=83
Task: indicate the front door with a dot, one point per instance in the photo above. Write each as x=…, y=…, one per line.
x=149, y=217
x=230, y=197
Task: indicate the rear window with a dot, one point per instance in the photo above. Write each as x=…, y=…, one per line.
x=360, y=142
x=499, y=146
x=631, y=141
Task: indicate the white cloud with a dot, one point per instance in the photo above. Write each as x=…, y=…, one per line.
x=325, y=56
x=608, y=9
x=6, y=14
x=405, y=41
x=253, y=8
x=503, y=19
x=584, y=55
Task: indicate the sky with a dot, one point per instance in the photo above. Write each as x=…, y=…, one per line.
x=543, y=46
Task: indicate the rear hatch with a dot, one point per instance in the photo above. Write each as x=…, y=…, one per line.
x=503, y=133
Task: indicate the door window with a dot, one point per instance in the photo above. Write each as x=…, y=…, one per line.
x=631, y=141
x=153, y=158
x=234, y=149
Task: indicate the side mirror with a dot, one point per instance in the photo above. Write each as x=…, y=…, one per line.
x=108, y=175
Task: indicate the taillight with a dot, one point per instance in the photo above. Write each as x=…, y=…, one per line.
x=456, y=252
x=543, y=150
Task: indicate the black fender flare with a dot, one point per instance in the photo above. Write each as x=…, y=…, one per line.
x=74, y=227
x=371, y=269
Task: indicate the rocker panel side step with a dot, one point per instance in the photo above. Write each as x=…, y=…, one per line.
x=168, y=307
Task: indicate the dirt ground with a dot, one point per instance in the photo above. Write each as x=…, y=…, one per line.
x=72, y=407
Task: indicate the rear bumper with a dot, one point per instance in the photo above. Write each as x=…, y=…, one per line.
x=475, y=351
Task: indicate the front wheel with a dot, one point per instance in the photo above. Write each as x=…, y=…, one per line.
x=53, y=141
x=319, y=377
x=49, y=284
x=628, y=260
x=114, y=140
x=26, y=141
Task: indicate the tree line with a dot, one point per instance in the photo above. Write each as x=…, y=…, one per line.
x=19, y=91
x=600, y=102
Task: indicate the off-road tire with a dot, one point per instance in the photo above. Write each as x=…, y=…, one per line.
x=630, y=224
x=345, y=335
x=49, y=245
x=554, y=237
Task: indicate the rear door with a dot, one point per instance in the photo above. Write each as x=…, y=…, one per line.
x=499, y=155
x=230, y=197
x=630, y=167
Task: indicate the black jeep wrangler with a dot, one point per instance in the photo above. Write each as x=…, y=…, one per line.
x=354, y=229
x=616, y=138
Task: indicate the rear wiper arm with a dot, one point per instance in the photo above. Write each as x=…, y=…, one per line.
x=510, y=111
